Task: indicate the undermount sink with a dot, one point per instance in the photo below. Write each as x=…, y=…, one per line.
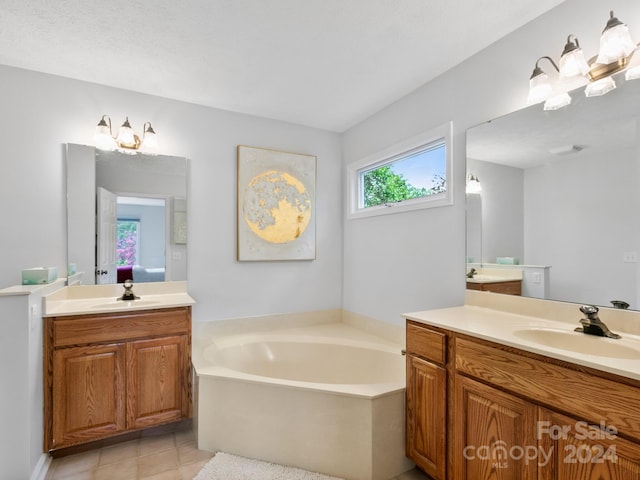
x=580, y=343
x=124, y=304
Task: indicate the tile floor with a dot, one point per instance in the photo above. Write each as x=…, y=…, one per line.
x=163, y=456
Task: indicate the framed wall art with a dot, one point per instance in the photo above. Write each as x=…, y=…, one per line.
x=276, y=205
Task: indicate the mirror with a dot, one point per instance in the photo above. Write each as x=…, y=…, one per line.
x=559, y=196
x=126, y=215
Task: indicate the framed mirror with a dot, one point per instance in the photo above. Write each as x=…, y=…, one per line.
x=126, y=216
x=559, y=195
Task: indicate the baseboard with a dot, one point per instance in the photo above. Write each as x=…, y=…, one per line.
x=42, y=468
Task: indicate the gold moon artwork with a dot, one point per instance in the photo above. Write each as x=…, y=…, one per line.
x=277, y=206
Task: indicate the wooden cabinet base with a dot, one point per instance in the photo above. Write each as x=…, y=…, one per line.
x=512, y=414
x=107, y=374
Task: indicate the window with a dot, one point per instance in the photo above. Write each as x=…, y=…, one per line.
x=127, y=242
x=408, y=176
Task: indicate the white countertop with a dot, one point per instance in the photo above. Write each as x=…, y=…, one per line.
x=481, y=278
x=90, y=299
x=494, y=275
x=503, y=327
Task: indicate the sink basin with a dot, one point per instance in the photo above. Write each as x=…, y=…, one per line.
x=580, y=343
x=123, y=305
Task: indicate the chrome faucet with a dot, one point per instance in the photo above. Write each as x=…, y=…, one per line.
x=472, y=273
x=128, y=291
x=592, y=324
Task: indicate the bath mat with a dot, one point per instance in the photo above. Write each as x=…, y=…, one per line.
x=224, y=466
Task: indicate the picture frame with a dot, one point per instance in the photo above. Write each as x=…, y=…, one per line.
x=276, y=205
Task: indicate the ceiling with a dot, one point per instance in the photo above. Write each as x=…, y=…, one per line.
x=532, y=137
x=322, y=63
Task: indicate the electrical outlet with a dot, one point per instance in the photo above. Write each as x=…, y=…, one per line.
x=630, y=257
x=537, y=277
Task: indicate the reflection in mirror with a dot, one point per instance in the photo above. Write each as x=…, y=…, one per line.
x=559, y=197
x=126, y=215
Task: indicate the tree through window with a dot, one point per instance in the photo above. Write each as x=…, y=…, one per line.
x=127, y=242
x=416, y=175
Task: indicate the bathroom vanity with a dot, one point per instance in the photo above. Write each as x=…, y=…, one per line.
x=499, y=394
x=124, y=368
x=509, y=287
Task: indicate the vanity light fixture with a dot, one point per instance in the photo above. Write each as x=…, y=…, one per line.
x=616, y=49
x=473, y=185
x=126, y=140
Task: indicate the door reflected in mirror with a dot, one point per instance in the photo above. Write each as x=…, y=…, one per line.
x=126, y=216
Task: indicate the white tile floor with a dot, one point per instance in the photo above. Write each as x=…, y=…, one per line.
x=163, y=456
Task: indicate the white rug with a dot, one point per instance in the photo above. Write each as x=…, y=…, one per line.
x=225, y=466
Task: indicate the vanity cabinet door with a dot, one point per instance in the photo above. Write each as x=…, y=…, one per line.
x=578, y=452
x=490, y=429
x=426, y=416
x=88, y=390
x=158, y=380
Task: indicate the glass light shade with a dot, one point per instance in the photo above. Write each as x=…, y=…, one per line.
x=632, y=73
x=573, y=64
x=149, y=143
x=600, y=87
x=539, y=88
x=557, y=101
x=615, y=44
x=149, y=139
x=126, y=137
x=473, y=185
x=103, y=138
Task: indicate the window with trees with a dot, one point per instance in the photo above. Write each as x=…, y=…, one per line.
x=411, y=175
x=127, y=242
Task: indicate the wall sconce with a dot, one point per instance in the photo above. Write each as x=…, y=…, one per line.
x=126, y=140
x=473, y=185
x=616, y=49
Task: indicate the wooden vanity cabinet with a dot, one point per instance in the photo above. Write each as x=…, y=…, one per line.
x=107, y=374
x=504, y=404
x=508, y=287
x=426, y=399
x=586, y=453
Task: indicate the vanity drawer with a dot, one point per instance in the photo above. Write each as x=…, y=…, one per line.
x=101, y=328
x=511, y=287
x=426, y=343
x=578, y=393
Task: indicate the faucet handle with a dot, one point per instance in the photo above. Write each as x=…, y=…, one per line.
x=589, y=310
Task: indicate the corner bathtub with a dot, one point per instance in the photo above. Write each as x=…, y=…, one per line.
x=327, y=398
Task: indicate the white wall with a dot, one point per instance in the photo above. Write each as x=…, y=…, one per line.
x=570, y=226
x=502, y=210
x=43, y=112
x=414, y=261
